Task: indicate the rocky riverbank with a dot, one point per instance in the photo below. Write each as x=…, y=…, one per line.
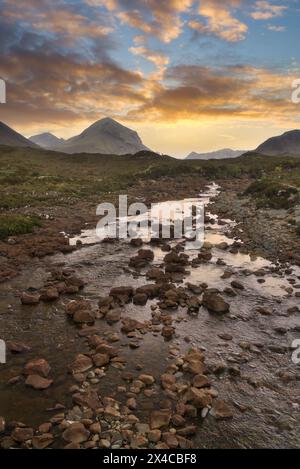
x=118, y=345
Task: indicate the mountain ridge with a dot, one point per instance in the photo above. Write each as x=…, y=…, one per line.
x=287, y=143
x=216, y=155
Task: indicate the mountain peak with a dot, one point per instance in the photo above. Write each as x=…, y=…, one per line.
x=106, y=136
x=47, y=140
x=10, y=137
x=286, y=144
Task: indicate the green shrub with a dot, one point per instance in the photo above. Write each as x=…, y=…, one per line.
x=11, y=225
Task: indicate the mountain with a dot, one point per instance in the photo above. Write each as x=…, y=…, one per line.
x=285, y=144
x=216, y=155
x=12, y=138
x=47, y=140
x=105, y=136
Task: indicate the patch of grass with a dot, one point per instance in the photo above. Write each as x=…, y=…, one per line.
x=273, y=194
x=11, y=225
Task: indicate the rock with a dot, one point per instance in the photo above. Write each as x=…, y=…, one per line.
x=42, y=441
x=123, y=294
x=81, y=364
x=130, y=325
x=167, y=380
x=154, y=436
x=170, y=440
x=77, y=305
x=49, y=294
x=76, y=433
x=237, y=285
x=138, y=441
x=146, y=254
x=45, y=427
x=113, y=316
x=101, y=359
x=205, y=256
x=2, y=425
x=22, y=434
x=131, y=403
x=151, y=290
x=147, y=379
x=17, y=347
x=136, y=242
x=155, y=274
x=140, y=299
x=168, y=332
x=221, y=410
x=37, y=382
x=215, y=303
x=175, y=268
x=187, y=431
x=107, y=349
x=198, y=397
x=88, y=399
x=95, y=428
x=200, y=381
x=84, y=317
x=37, y=367
x=159, y=419
x=195, y=362
x=30, y=298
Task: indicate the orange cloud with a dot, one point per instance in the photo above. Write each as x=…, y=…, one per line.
x=265, y=10
x=220, y=20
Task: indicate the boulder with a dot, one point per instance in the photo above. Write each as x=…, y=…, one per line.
x=81, y=364
x=76, y=433
x=30, y=298
x=160, y=419
x=37, y=367
x=215, y=303
x=37, y=382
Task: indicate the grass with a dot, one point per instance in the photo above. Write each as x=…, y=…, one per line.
x=270, y=193
x=41, y=178
x=11, y=225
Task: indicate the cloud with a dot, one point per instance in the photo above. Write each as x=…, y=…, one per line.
x=159, y=59
x=277, y=29
x=241, y=91
x=160, y=19
x=219, y=20
x=264, y=10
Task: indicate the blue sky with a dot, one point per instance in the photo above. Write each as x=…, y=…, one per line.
x=188, y=75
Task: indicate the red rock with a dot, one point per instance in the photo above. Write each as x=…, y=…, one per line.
x=76, y=433
x=42, y=441
x=37, y=367
x=22, y=434
x=101, y=359
x=30, y=298
x=81, y=364
x=37, y=382
x=159, y=419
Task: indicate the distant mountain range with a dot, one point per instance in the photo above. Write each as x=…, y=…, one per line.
x=12, y=138
x=285, y=144
x=216, y=155
x=105, y=136
x=47, y=140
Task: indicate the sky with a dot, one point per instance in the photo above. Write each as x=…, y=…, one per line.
x=188, y=75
